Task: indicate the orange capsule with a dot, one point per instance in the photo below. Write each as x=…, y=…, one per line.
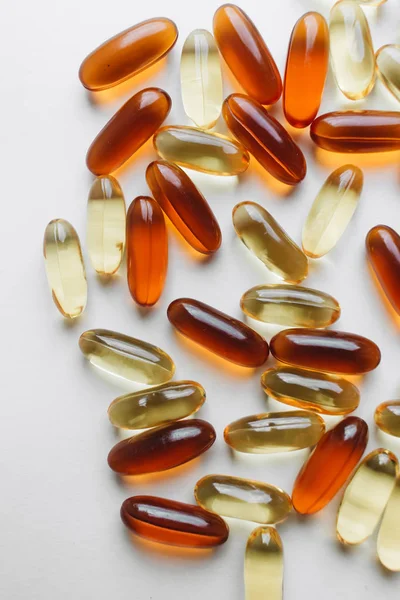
x=131, y=126
x=383, y=250
x=146, y=249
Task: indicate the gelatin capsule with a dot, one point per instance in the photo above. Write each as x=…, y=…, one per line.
x=201, y=150
x=383, y=251
x=292, y=305
x=326, y=350
x=157, y=406
x=131, y=126
x=387, y=417
x=162, y=448
x=263, y=236
x=126, y=357
x=246, y=54
x=306, y=69
x=245, y=499
x=311, y=390
x=184, y=205
x=388, y=68
x=64, y=268
x=201, y=79
x=265, y=138
x=330, y=465
x=218, y=332
x=146, y=250
x=263, y=565
x=332, y=210
x=388, y=545
x=366, y=496
x=175, y=523
x=275, y=432
x=128, y=53
x=106, y=225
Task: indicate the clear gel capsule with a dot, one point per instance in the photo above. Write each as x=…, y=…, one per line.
x=387, y=417
x=388, y=68
x=389, y=533
x=263, y=565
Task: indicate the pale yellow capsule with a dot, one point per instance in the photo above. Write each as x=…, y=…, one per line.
x=389, y=533
x=387, y=417
x=64, y=267
x=263, y=565
x=201, y=79
x=388, y=68
x=371, y=2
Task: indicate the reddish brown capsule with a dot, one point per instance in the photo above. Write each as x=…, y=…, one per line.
x=383, y=250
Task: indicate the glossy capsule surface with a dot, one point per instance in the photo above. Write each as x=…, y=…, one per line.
x=383, y=251
x=184, y=205
x=263, y=236
x=387, y=417
x=330, y=465
x=388, y=68
x=218, y=332
x=263, y=565
x=388, y=544
x=131, y=126
x=265, y=138
x=171, y=522
x=64, y=268
x=162, y=448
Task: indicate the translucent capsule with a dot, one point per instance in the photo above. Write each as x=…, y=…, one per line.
x=387, y=417
x=388, y=68
x=383, y=251
x=259, y=231
x=275, y=432
x=201, y=79
x=292, y=305
x=371, y=2
x=389, y=533
x=366, y=496
x=106, y=225
x=201, y=150
x=245, y=499
x=126, y=357
x=332, y=210
x=157, y=406
x=263, y=565
x=64, y=268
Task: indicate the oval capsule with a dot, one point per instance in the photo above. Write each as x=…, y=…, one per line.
x=388, y=68
x=383, y=251
x=387, y=417
x=263, y=565
x=388, y=544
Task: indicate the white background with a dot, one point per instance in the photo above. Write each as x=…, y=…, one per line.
x=60, y=532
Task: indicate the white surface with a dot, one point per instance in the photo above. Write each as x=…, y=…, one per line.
x=61, y=535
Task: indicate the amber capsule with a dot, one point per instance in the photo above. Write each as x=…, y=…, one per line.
x=388, y=68
x=131, y=126
x=387, y=417
x=388, y=544
x=184, y=205
x=263, y=565
x=218, y=332
x=383, y=251
x=265, y=138
x=326, y=350
x=175, y=523
x=162, y=448
x=128, y=53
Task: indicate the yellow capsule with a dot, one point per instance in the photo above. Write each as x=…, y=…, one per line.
x=64, y=267
x=387, y=417
x=388, y=545
x=201, y=150
x=263, y=565
x=388, y=68
x=259, y=231
x=201, y=79
x=157, y=406
x=126, y=357
x=246, y=499
x=352, y=53
x=275, y=432
x=332, y=210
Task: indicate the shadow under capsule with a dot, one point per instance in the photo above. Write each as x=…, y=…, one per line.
x=373, y=160
x=169, y=552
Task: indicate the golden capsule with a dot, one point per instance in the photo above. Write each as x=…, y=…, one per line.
x=64, y=267
x=239, y=498
x=263, y=565
x=332, y=210
x=259, y=231
x=201, y=79
x=126, y=357
x=387, y=417
x=275, y=432
x=388, y=545
x=388, y=68
x=366, y=496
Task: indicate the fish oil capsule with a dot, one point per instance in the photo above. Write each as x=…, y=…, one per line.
x=64, y=268
x=306, y=69
x=311, y=390
x=245, y=499
x=388, y=544
x=387, y=417
x=126, y=357
x=332, y=210
x=275, y=432
x=330, y=465
x=184, y=205
x=326, y=350
x=131, y=126
x=162, y=448
x=201, y=150
x=366, y=496
x=265, y=138
x=263, y=236
x=388, y=68
x=106, y=225
x=225, y=336
x=175, y=523
x=201, y=79
x=157, y=406
x=383, y=251
x=263, y=565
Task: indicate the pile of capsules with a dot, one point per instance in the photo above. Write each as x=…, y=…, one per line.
x=315, y=357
